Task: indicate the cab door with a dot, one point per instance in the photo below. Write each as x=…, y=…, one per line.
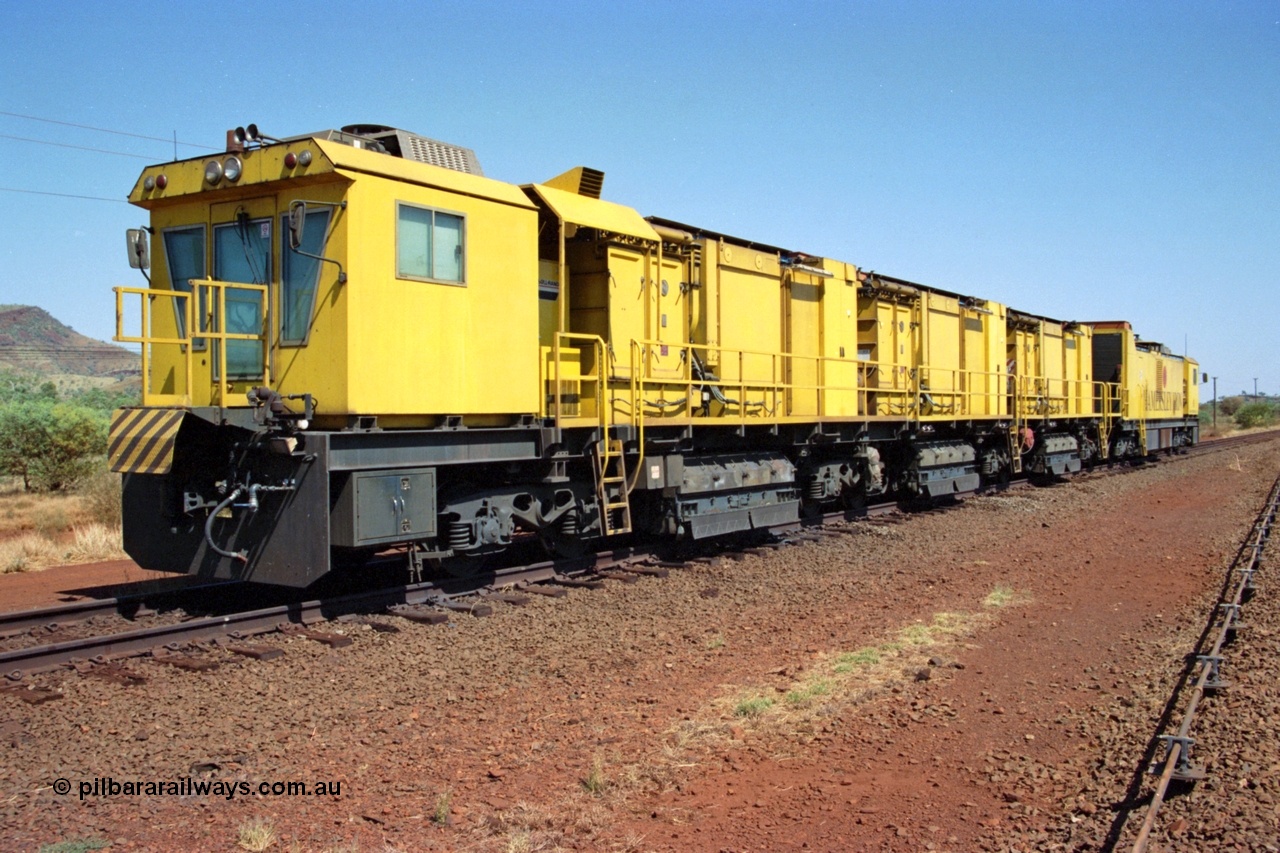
x=244, y=237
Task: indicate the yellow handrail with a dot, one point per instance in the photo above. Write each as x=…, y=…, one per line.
x=192, y=332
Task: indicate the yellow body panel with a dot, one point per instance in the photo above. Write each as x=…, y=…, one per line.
x=594, y=213
x=1191, y=387
x=802, y=295
x=842, y=383
x=1050, y=367
x=406, y=350
x=962, y=363
x=480, y=339
x=888, y=349
x=750, y=320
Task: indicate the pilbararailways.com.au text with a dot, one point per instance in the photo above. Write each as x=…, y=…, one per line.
x=110, y=787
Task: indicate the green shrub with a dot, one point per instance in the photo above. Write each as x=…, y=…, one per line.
x=1228, y=405
x=1255, y=414
x=50, y=445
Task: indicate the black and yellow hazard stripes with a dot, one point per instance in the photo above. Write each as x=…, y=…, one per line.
x=141, y=440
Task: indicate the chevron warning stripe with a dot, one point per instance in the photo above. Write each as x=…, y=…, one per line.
x=141, y=440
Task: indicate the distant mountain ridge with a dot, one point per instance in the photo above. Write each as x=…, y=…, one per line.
x=32, y=341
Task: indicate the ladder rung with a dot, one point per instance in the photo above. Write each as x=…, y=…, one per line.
x=622, y=505
x=613, y=480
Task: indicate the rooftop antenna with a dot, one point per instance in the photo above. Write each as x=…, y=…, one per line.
x=175, y=143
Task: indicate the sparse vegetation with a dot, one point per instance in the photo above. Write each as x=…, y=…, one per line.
x=256, y=835
x=846, y=662
x=80, y=846
x=752, y=706
x=596, y=781
x=807, y=692
x=999, y=597
x=440, y=817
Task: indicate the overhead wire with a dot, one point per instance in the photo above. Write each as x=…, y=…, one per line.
x=77, y=147
x=86, y=148
x=63, y=195
x=106, y=130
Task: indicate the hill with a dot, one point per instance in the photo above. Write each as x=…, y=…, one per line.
x=34, y=343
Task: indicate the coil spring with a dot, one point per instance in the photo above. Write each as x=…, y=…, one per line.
x=459, y=534
x=817, y=489
x=569, y=524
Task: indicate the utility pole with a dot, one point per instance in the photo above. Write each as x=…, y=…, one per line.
x=1255, y=387
x=1215, y=402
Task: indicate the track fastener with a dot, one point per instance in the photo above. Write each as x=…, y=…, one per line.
x=1184, y=770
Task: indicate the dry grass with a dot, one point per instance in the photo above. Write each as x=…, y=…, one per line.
x=50, y=529
x=256, y=835
x=91, y=543
x=26, y=552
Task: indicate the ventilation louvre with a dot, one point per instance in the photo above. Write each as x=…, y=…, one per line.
x=581, y=180
x=411, y=146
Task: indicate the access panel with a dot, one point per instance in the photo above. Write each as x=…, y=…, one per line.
x=378, y=507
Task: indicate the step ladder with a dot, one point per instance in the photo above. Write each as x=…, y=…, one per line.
x=611, y=487
x=1142, y=436
x=1015, y=448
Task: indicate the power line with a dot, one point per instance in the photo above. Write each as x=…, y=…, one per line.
x=62, y=195
x=77, y=147
x=105, y=130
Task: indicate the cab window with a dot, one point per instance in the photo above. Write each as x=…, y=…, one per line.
x=242, y=253
x=429, y=244
x=184, y=253
x=299, y=276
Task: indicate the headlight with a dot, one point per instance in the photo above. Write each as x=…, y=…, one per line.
x=231, y=168
x=212, y=172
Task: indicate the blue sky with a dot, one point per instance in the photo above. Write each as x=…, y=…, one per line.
x=1083, y=160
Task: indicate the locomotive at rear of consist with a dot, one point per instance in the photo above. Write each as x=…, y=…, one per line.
x=354, y=342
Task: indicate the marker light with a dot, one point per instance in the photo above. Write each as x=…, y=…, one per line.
x=213, y=171
x=161, y=182
x=149, y=184
x=232, y=168
x=305, y=158
x=290, y=160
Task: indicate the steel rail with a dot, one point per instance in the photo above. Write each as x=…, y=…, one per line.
x=16, y=663
x=1177, y=762
x=17, y=621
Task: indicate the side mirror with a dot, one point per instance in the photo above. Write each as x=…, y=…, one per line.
x=139, y=255
x=297, y=220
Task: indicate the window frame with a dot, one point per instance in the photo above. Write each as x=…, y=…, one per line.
x=198, y=344
x=461, y=281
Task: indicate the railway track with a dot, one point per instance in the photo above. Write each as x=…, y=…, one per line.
x=430, y=601
x=1177, y=765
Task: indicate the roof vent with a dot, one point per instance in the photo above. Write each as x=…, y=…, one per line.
x=410, y=146
x=581, y=180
